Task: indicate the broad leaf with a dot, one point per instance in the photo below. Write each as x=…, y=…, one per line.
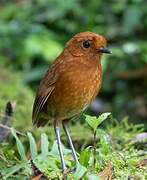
x=84, y=157
x=20, y=146
x=44, y=145
x=55, y=152
x=94, y=122
x=93, y=177
x=80, y=171
x=33, y=147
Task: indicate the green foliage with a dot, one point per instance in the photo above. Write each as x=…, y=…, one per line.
x=44, y=145
x=32, y=34
x=123, y=160
x=104, y=142
x=93, y=177
x=32, y=143
x=20, y=147
x=80, y=171
x=13, y=89
x=85, y=157
x=94, y=122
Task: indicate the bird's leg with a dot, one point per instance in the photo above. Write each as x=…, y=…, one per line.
x=70, y=142
x=57, y=130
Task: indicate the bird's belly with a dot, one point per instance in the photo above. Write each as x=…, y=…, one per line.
x=73, y=95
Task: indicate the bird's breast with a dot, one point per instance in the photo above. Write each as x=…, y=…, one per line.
x=75, y=89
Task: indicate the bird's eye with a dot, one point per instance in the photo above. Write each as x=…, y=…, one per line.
x=86, y=44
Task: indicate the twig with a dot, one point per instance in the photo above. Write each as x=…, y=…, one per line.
x=133, y=74
x=94, y=147
x=9, y=128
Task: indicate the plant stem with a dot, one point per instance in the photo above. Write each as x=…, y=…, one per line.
x=9, y=128
x=94, y=148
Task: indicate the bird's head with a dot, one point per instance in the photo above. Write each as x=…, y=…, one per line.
x=87, y=43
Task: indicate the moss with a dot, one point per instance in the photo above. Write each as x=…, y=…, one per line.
x=13, y=89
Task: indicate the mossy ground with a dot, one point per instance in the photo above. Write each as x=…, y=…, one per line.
x=116, y=155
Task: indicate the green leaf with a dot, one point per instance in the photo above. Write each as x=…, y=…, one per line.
x=80, y=171
x=103, y=117
x=10, y=171
x=105, y=145
x=94, y=122
x=55, y=152
x=33, y=147
x=20, y=146
x=50, y=163
x=84, y=157
x=44, y=145
x=93, y=177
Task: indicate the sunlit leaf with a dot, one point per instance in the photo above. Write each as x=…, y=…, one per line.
x=104, y=141
x=20, y=146
x=84, y=157
x=10, y=171
x=94, y=122
x=44, y=145
x=93, y=177
x=33, y=147
x=80, y=171
x=55, y=151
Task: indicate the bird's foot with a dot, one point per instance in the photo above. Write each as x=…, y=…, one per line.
x=68, y=171
x=65, y=172
x=72, y=170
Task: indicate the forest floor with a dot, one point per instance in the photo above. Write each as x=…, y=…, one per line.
x=118, y=151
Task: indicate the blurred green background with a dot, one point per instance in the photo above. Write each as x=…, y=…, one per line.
x=33, y=33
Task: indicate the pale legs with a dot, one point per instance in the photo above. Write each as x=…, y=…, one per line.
x=70, y=142
x=57, y=131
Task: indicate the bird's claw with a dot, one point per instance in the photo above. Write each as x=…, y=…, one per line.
x=72, y=170
x=65, y=172
x=68, y=171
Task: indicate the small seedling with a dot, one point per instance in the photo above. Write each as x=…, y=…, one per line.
x=94, y=122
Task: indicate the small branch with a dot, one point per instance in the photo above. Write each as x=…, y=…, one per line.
x=94, y=147
x=133, y=74
x=9, y=128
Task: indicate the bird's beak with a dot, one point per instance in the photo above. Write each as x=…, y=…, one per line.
x=104, y=50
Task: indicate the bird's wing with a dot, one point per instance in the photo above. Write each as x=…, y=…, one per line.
x=46, y=87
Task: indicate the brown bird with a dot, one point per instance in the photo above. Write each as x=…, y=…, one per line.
x=70, y=84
